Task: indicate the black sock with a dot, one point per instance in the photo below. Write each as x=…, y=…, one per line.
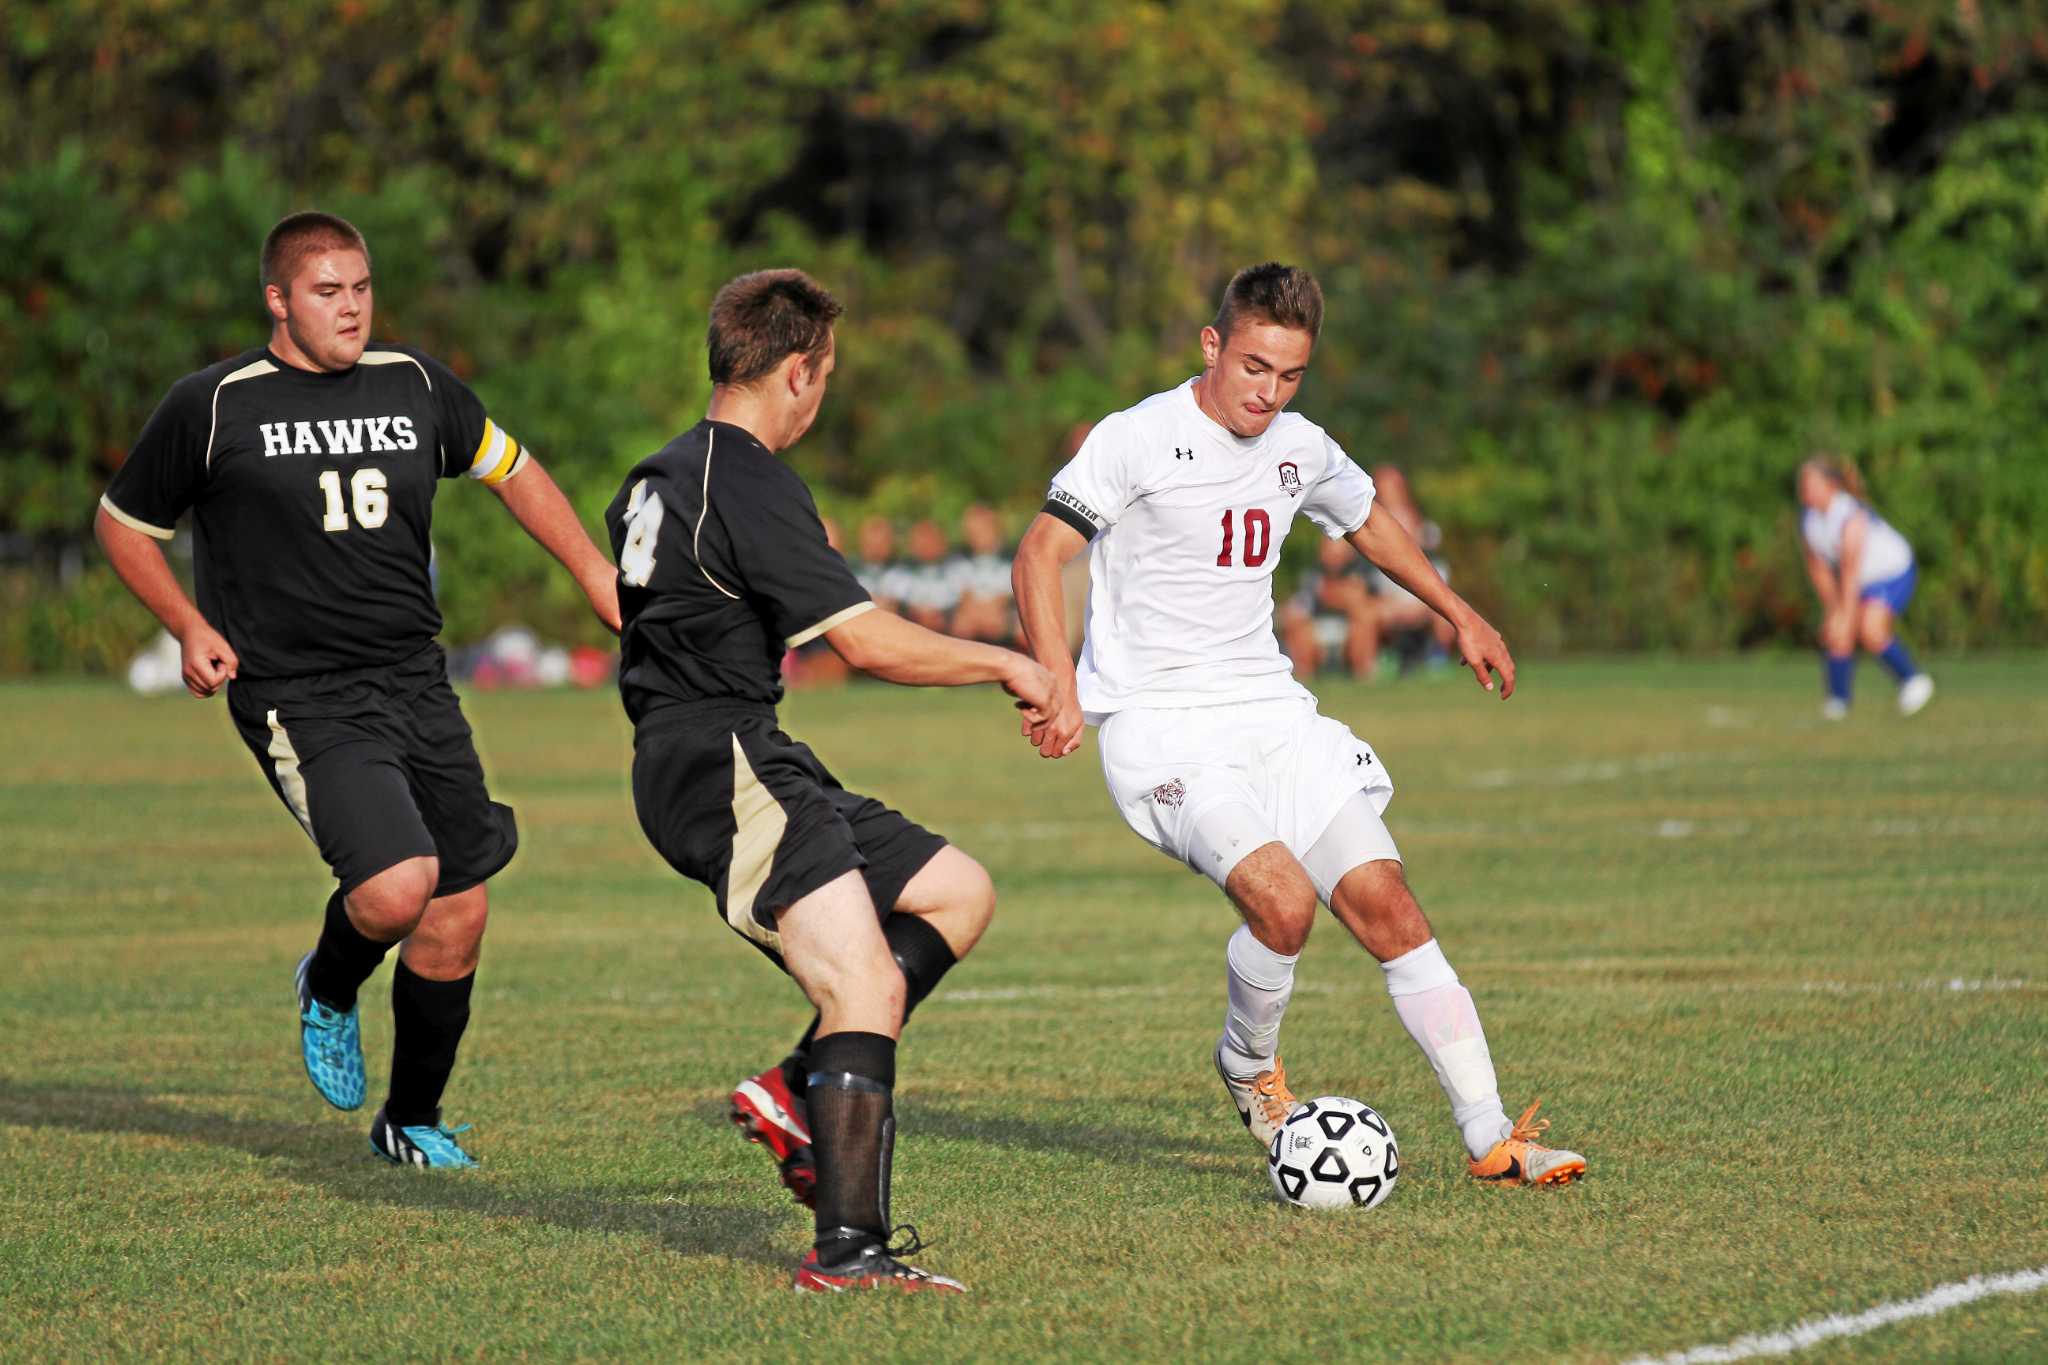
x=430, y=1017
x=342, y=960
x=924, y=957
x=853, y=1135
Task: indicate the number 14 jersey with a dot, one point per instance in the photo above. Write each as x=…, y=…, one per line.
x=1186, y=521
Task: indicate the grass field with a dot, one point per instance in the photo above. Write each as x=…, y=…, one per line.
x=1786, y=985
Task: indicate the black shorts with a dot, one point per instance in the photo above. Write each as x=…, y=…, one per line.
x=733, y=802
x=379, y=766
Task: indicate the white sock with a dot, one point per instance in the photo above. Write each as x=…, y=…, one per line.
x=1260, y=981
x=1440, y=1016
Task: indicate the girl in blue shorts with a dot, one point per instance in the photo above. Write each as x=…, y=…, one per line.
x=1864, y=572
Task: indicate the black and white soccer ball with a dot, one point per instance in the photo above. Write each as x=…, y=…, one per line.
x=1334, y=1153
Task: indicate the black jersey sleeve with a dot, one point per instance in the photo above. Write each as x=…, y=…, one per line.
x=471, y=443
x=779, y=552
x=165, y=467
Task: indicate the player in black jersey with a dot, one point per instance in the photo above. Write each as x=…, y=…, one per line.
x=309, y=467
x=724, y=566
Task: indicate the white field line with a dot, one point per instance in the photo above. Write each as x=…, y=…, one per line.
x=1816, y=1330
x=1956, y=985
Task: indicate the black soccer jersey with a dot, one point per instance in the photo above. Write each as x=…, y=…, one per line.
x=723, y=565
x=312, y=496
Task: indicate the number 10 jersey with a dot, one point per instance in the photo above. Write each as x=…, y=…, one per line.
x=1186, y=521
x=312, y=498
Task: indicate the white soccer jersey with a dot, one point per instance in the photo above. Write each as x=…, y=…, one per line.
x=1187, y=522
x=1886, y=554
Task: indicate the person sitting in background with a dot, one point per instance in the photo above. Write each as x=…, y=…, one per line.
x=982, y=575
x=929, y=591
x=1331, y=614
x=815, y=663
x=877, y=567
x=1399, y=618
x=1863, y=572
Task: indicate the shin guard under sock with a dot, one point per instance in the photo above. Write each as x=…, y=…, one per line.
x=853, y=1136
x=429, y=1018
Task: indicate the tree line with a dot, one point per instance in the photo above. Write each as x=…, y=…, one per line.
x=1599, y=274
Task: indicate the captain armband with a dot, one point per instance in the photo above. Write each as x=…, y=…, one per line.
x=498, y=456
x=1066, y=507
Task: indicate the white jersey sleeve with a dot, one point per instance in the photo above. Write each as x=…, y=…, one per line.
x=1098, y=484
x=1341, y=499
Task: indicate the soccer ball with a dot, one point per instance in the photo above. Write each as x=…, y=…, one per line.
x=1333, y=1153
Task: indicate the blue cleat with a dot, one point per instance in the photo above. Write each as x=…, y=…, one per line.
x=419, y=1145
x=332, y=1044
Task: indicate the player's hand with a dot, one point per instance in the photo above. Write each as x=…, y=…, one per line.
x=603, y=592
x=1031, y=684
x=1056, y=731
x=209, y=660
x=1485, y=653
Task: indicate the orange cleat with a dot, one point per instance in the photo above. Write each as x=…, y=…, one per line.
x=1519, y=1159
x=1262, y=1101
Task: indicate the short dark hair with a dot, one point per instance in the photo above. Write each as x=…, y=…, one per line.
x=298, y=235
x=1285, y=295
x=760, y=320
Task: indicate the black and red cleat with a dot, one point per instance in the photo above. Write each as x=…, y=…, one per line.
x=766, y=1112
x=873, y=1268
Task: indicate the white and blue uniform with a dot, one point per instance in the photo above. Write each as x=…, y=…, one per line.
x=1886, y=571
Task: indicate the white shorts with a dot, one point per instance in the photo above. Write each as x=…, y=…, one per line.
x=1207, y=785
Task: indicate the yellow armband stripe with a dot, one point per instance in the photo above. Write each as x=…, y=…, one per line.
x=497, y=457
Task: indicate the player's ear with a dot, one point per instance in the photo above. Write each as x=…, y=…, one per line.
x=794, y=377
x=1212, y=346
x=273, y=299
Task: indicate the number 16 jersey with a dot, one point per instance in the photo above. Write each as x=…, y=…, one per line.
x=1186, y=521
x=312, y=499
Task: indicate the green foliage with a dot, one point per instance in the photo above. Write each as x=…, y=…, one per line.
x=1598, y=274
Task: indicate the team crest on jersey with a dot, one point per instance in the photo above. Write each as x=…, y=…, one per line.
x=1170, y=793
x=1290, y=478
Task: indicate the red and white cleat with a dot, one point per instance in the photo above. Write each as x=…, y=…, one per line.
x=766, y=1112
x=873, y=1268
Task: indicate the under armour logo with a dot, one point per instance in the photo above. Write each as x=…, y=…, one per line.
x=1360, y=760
x=1180, y=454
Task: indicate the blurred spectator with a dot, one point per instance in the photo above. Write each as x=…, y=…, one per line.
x=929, y=589
x=1400, y=618
x=1350, y=608
x=1331, y=613
x=876, y=566
x=815, y=663
x=982, y=576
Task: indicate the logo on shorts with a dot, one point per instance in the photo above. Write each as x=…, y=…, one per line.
x=1170, y=793
x=1290, y=478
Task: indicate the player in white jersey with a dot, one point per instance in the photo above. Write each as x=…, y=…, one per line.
x=1213, y=752
x=1863, y=571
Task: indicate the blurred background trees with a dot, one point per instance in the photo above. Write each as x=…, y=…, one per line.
x=1599, y=274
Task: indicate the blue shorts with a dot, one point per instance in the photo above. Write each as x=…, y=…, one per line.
x=1893, y=592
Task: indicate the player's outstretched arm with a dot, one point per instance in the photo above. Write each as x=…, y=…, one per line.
x=1042, y=612
x=885, y=645
x=209, y=660
x=1384, y=541
x=538, y=505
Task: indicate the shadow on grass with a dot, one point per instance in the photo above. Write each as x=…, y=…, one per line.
x=1226, y=1154
x=308, y=1153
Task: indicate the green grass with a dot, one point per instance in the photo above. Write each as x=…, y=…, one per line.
x=1714, y=935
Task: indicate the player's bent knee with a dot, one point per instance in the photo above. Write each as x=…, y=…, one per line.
x=390, y=905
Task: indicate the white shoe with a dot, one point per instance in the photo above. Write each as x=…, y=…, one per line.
x=1914, y=694
x=1834, y=708
x=1263, y=1101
